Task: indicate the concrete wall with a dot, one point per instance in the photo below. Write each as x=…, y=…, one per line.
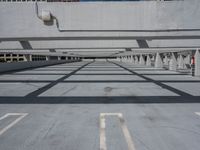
x=20, y=19
x=14, y=66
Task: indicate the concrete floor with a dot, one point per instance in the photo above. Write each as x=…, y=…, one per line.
x=64, y=102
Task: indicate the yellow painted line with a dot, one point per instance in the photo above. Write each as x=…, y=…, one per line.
x=124, y=128
x=21, y=116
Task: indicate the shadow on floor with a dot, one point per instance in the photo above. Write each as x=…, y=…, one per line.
x=99, y=100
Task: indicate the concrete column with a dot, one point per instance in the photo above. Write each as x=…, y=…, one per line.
x=158, y=61
x=129, y=59
x=153, y=57
x=187, y=59
x=126, y=59
x=136, y=59
x=132, y=59
x=59, y=58
x=142, y=61
x=148, y=61
x=28, y=57
x=47, y=57
x=166, y=61
x=197, y=63
x=173, y=62
x=181, y=64
x=123, y=59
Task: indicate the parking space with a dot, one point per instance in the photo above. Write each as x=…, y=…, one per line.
x=77, y=126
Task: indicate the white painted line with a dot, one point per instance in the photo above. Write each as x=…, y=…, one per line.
x=123, y=127
x=21, y=116
x=197, y=113
x=102, y=133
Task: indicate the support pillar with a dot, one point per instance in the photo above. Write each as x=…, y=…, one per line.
x=132, y=59
x=197, y=63
x=123, y=59
x=142, y=61
x=28, y=57
x=187, y=59
x=126, y=59
x=166, y=61
x=181, y=64
x=47, y=57
x=158, y=61
x=173, y=62
x=148, y=62
x=136, y=59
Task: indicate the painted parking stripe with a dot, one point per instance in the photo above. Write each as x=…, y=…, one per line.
x=197, y=113
x=21, y=116
x=124, y=128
